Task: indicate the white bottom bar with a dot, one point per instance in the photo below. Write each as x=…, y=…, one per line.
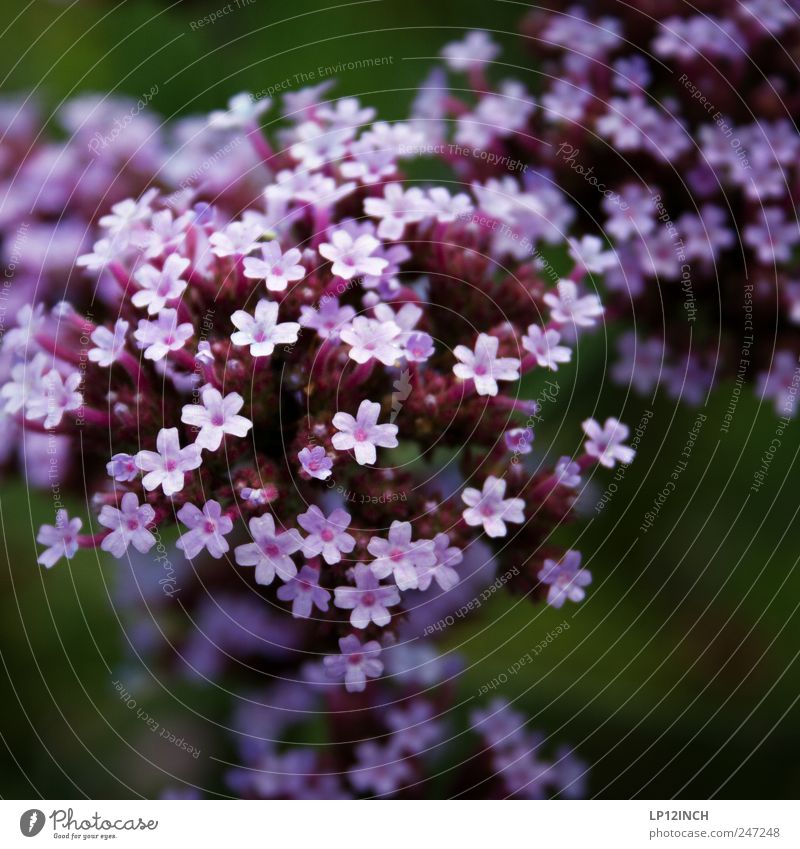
x=387, y=824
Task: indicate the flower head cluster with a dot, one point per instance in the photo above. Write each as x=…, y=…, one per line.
x=642, y=120
x=280, y=385
x=392, y=740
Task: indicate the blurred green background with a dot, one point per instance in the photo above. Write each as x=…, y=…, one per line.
x=680, y=674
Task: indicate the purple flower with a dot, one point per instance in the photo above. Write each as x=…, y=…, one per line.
x=781, y=383
x=490, y=508
x=414, y=727
x=702, y=35
x=442, y=571
x=498, y=724
x=61, y=539
x=773, y=237
x=263, y=332
x=396, y=209
x=589, y=252
x=122, y=467
x=258, y=497
x=631, y=73
x=406, y=318
x=277, y=268
x=242, y=112
x=524, y=775
x=326, y=536
x=346, y=112
x=355, y=664
x=380, y=770
x=304, y=591
x=568, y=774
x=605, y=443
x=363, y=433
x=545, y=348
x=238, y=239
x=370, y=338
x=128, y=213
x=568, y=472
x=418, y=347
x=386, y=282
x=128, y=526
x=640, y=362
x=108, y=345
x=166, y=466
x=400, y=557
x=571, y=30
x=216, y=417
x=269, y=552
x=483, y=365
x=317, y=146
x=207, y=529
x=56, y=397
x=518, y=440
x=446, y=207
x=368, y=600
x=302, y=103
x=329, y=319
x=475, y=51
x=632, y=213
x=29, y=322
x=316, y=462
x=369, y=164
x=104, y=252
x=352, y=257
x=163, y=335
x=167, y=233
x=567, y=308
x=159, y=285
x=565, y=578
x=294, y=774
x=25, y=384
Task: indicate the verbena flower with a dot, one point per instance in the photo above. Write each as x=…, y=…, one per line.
x=489, y=508
x=128, y=525
x=167, y=466
x=208, y=528
x=159, y=285
x=605, y=443
x=276, y=268
x=109, y=344
x=315, y=462
x=350, y=256
x=565, y=579
x=370, y=338
x=61, y=539
x=398, y=556
x=355, y=664
x=264, y=328
x=162, y=336
x=483, y=366
x=368, y=599
x=263, y=332
x=271, y=550
x=216, y=417
x=305, y=593
x=363, y=434
x=326, y=535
